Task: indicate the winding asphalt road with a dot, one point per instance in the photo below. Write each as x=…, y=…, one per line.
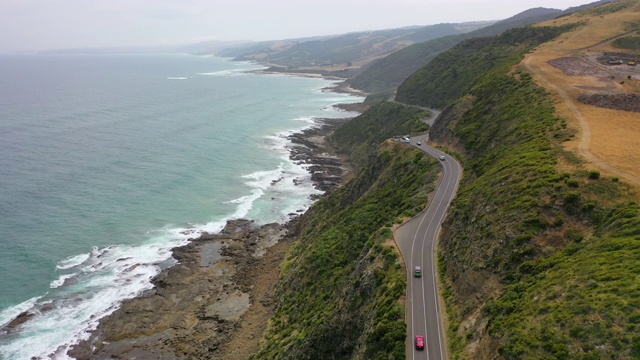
x=417, y=242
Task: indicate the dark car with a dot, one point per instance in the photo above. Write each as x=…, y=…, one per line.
x=419, y=342
x=417, y=271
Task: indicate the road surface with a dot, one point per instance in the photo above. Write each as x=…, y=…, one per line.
x=417, y=240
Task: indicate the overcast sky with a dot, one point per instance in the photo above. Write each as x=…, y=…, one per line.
x=27, y=25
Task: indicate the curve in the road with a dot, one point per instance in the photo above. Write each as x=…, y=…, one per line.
x=417, y=242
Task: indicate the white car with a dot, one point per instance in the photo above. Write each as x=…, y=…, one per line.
x=442, y=157
x=418, y=143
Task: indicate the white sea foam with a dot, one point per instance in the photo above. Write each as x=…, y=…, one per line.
x=61, y=280
x=102, y=279
x=9, y=314
x=293, y=190
x=263, y=179
x=233, y=72
x=306, y=119
x=291, y=182
x=72, y=261
x=245, y=203
x=213, y=227
x=177, y=78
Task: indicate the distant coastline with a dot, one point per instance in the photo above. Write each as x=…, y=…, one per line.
x=341, y=87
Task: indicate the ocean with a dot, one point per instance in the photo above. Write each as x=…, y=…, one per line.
x=107, y=162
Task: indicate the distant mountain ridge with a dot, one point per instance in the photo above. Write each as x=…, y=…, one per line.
x=379, y=61
x=345, y=51
x=385, y=75
x=388, y=73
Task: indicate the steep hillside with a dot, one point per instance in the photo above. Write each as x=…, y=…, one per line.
x=360, y=137
x=341, y=290
x=540, y=260
x=386, y=74
x=462, y=65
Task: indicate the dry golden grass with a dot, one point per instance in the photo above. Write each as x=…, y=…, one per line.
x=607, y=139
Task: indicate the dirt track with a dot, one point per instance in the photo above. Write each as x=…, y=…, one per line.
x=585, y=135
x=579, y=65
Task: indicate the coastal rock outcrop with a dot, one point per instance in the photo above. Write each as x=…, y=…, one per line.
x=194, y=305
x=308, y=147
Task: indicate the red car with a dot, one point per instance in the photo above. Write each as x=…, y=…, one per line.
x=420, y=342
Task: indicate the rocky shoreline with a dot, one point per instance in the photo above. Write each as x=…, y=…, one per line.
x=216, y=301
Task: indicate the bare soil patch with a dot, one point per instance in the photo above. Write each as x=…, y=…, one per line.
x=617, y=58
x=626, y=102
x=598, y=97
x=576, y=66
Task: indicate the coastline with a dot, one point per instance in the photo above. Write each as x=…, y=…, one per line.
x=217, y=299
x=341, y=87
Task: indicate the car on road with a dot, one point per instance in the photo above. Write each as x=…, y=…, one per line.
x=419, y=342
x=417, y=271
x=442, y=157
x=419, y=143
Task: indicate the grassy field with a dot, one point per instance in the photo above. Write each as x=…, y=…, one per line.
x=605, y=135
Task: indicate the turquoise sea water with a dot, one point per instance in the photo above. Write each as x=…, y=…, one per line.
x=108, y=162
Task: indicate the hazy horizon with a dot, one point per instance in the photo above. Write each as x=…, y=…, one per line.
x=37, y=25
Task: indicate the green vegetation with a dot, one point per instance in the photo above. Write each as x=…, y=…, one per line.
x=536, y=263
x=388, y=73
x=452, y=74
x=609, y=8
x=361, y=136
x=564, y=247
x=342, y=282
x=379, y=97
x=628, y=42
x=581, y=303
